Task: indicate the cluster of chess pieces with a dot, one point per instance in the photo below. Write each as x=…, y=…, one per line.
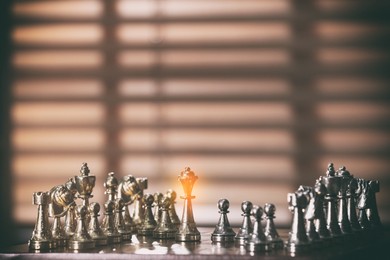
x=82, y=229
x=337, y=209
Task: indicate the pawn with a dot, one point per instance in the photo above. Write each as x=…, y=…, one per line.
x=257, y=242
x=158, y=196
x=171, y=194
x=246, y=227
x=108, y=225
x=94, y=230
x=58, y=232
x=165, y=228
x=81, y=239
x=270, y=229
x=223, y=232
x=148, y=224
x=119, y=221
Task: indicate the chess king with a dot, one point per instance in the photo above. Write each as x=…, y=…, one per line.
x=187, y=230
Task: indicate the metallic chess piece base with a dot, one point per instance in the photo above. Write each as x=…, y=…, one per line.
x=62, y=242
x=41, y=245
x=100, y=241
x=81, y=244
x=164, y=234
x=145, y=232
x=114, y=239
x=297, y=247
x=240, y=241
x=187, y=237
x=257, y=247
x=222, y=238
x=277, y=244
x=126, y=236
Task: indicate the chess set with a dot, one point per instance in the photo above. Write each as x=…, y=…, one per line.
x=338, y=210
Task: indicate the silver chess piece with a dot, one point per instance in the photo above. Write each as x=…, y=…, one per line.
x=362, y=204
x=84, y=185
x=148, y=224
x=108, y=224
x=270, y=230
x=319, y=213
x=223, y=232
x=372, y=211
x=139, y=210
x=128, y=190
x=165, y=229
x=257, y=241
x=246, y=226
x=42, y=239
x=62, y=200
x=343, y=220
x=158, y=196
x=332, y=184
x=81, y=239
x=70, y=217
x=119, y=221
x=298, y=240
x=187, y=230
x=94, y=230
x=310, y=214
x=351, y=205
x=171, y=194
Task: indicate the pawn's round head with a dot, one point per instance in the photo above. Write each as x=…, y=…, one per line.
x=257, y=212
x=223, y=205
x=269, y=209
x=94, y=208
x=246, y=206
x=81, y=211
x=171, y=194
x=148, y=199
x=119, y=203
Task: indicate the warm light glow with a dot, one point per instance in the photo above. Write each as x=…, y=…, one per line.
x=50, y=60
x=64, y=34
x=60, y=9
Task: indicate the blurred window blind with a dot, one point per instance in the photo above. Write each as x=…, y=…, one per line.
x=257, y=96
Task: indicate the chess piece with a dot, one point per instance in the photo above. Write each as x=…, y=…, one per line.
x=362, y=204
x=128, y=191
x=223, y=232
x=81, y=239
x=84, y=185
x=41, y=239
x=108, y=224
x=70, y=222
x=61, y=199
x=332, y=184
x=119, y=222
x=70, y=217
x=351, y=205
x=343, y=220
x=111, y=185
x=298, y=240
x=319, y=214
x=172, y=210
x=139, y=211
x=270, y=230
x=372, y=211
x=165, y=228
x=246, y=226
x=94, y=230
x=158, y=196
x=310, y=214
x=149, y=224
x=257, y=241
x=187, y=230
